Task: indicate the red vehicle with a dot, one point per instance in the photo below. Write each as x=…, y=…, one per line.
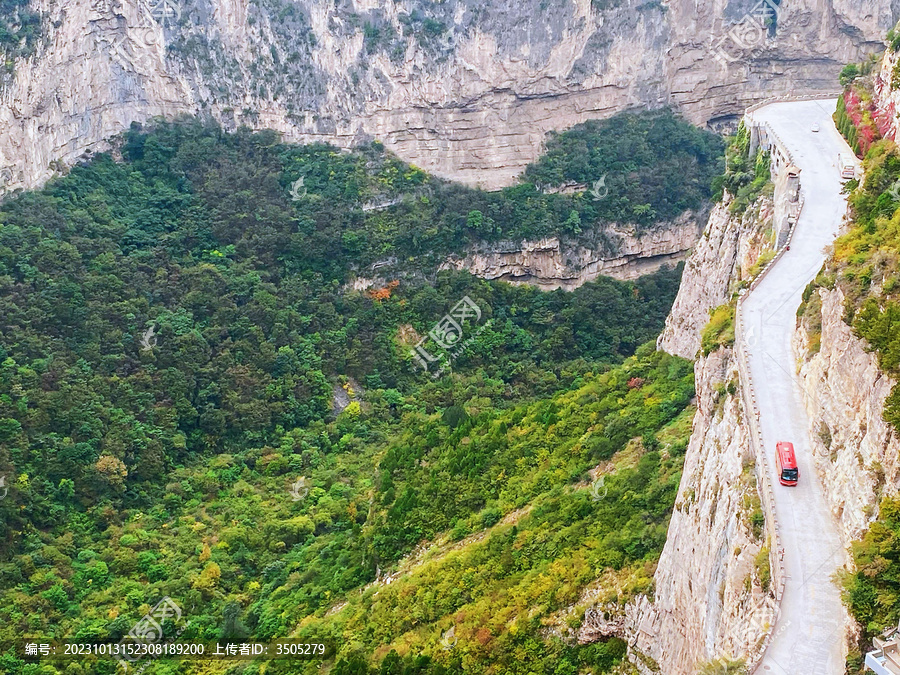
x=788, y=473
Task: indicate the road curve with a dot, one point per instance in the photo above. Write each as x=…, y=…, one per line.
x=808, y=637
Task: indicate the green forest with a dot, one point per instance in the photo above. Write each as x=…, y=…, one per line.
x=176, y=328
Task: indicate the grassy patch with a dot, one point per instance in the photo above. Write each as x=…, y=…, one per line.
x=763, y=567
x=719, y=332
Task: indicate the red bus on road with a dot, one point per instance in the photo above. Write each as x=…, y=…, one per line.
x=788, y=473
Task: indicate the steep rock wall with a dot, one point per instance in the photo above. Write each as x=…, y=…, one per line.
x=725, y=254
x=711, y=599
x=857, y=453
x=887, y=97
x=465, y=89
x=615, y=251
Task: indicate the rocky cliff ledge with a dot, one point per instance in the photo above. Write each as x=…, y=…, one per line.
x=464, y=89
x=857, y=453
x=614, y=251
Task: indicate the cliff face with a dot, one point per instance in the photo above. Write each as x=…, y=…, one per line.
x=615, y=251
x=464, y=89
x=857, y=453
x=887, y=97
x=712, y=598
x=727, y=251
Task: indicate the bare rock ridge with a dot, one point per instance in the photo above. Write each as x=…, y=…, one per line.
x=464, y=89
x=727, y=251
x=616, y=251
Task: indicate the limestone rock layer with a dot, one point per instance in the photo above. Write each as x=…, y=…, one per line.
x=462, y=88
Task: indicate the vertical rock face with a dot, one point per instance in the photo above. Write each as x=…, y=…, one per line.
x=725, y=253
x=712, y=599
x=887, y=97
x=856, y=451
x=615, y=251
x=462, y=88
x=95, y=72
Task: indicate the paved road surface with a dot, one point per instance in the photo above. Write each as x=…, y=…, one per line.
x=808, y=637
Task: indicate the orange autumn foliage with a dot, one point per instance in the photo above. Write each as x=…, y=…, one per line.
x=384, y=293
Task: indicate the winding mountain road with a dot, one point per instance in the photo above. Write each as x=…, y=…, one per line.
x=808, y=637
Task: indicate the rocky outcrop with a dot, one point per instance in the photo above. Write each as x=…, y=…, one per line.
x=857, y=452
x=887, y=96
x=616, y=251
x=712, y=598
x=725, y=255
x=464, y=89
